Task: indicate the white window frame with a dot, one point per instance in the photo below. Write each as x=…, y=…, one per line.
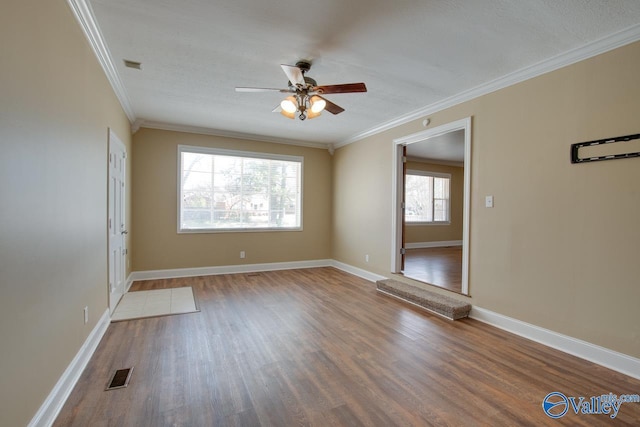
x=235, y=153
x=432, y=175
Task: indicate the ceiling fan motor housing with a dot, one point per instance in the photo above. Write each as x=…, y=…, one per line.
x=304, y=66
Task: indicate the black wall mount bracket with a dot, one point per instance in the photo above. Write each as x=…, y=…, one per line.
x=575, y=157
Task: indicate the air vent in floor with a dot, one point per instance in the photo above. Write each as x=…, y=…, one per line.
x=120, y=379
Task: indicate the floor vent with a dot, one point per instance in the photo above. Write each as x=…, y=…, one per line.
x=253, y=274
x=120, y=379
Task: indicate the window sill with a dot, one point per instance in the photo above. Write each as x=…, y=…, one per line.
x=428, y=223
x=235, y=230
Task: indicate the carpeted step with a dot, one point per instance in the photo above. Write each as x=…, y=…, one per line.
x=450, y=308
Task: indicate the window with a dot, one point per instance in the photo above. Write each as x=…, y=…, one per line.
x=225, y=190
x=427, y=197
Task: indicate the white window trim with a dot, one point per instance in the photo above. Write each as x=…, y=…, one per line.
x=236, y=153
x=435, y=175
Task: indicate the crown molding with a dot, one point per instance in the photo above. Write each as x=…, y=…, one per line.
x=85, y=17
x=228, y=134
x=600, y=46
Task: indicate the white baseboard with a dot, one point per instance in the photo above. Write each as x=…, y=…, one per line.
x=228, y=269
x=602, y=356
x=52, y=405
x=440, y=244
x=364, y=274
x=249, y=268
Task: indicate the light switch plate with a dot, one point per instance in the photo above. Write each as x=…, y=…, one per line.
x=488, y=201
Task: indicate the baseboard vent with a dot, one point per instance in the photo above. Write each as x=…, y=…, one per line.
x=450, y=308
x=120, y=379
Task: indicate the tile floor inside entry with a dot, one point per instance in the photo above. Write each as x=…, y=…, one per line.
x=160, y=302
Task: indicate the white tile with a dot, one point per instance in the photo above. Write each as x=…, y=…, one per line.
x=120, y=315
x=131, y=309
x=179, y=292
x=182, y=299
x=155, y=303
x=136, y=296
x=159, y=297
x=155, y=311
x=127, y=305
x=157, y=306
x=182, y=307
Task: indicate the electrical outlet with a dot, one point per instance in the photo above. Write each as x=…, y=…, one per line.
x=242, y=255
x=366, y=258
x=86, y=315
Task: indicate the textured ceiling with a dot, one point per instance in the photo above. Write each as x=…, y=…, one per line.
x=410, y=53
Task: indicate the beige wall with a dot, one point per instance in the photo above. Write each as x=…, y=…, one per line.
x=55, y=109
x=560, y=248
x=158, y=246
x=438, y=233
x=362, y=183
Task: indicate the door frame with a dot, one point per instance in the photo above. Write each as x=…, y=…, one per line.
x=398, y=190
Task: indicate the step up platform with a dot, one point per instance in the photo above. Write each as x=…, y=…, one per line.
x=450, y=308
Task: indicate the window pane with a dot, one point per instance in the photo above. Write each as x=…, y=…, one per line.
x=418, y=198
x=196, y=199
x=196, y=218
x=197, y=162
x=220, y=191
x=226, y=164
x=438, y=188
x=440, y=210
x=427, y=198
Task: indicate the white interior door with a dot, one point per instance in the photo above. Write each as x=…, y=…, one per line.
x=116, y=220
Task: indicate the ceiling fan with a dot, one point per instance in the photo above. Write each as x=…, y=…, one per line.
x=305, y=99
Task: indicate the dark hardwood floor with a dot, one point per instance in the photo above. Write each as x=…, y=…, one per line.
x=320, y=347
x=437, y=266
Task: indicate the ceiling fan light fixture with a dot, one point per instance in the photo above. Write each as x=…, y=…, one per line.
x=287, y=114
x=289, y=105
x=317, y=104
x=311, y=114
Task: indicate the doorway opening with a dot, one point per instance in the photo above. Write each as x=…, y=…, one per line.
x=431, y=205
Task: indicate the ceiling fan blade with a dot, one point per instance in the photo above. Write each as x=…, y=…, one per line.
x=331, y=107
x=261, y=89
x=294, y=74
x=344, y=88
